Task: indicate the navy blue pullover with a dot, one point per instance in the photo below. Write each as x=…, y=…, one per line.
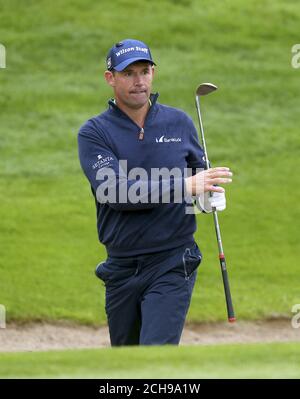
x=169, y=140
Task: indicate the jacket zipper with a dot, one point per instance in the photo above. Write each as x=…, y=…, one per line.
x=142, y=131
x=141, y=134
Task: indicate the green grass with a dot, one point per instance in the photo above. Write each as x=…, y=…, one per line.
x=53, y=83
x=219, y=361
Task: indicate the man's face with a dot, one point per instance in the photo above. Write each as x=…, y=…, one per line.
x=132, y=86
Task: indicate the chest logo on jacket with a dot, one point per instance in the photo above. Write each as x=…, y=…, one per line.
x=164, y=139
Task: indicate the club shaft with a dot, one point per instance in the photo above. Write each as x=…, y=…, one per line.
x=202, y=132
x=229, y=305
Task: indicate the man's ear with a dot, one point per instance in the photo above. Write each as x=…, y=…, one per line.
x=153, y=70
x=109, y=77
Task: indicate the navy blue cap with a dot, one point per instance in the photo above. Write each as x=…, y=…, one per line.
x=126, y=52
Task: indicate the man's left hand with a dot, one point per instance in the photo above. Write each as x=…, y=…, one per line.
x=205, y=203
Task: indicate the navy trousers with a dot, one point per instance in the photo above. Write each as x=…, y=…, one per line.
x=148, y=296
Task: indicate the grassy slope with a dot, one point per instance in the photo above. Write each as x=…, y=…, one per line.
x=53, y=83
x=220, y=361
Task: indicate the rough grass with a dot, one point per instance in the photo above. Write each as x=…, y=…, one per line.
x=53, y=83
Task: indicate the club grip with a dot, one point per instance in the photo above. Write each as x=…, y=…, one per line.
x=230, y=311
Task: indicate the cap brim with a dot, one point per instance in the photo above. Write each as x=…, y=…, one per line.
x=125, y=64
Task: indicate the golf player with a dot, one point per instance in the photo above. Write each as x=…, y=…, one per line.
x=142, y=217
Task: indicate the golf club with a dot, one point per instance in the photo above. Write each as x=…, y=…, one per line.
x=202, y=90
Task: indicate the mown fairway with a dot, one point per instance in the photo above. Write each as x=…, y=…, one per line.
x=53, y=83
x=219, y=361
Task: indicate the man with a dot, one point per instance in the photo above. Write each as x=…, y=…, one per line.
x=152, y=261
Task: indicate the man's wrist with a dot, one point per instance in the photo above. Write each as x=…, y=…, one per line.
x=188, y=182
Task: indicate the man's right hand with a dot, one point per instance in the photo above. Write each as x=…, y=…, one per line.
x=207, y=180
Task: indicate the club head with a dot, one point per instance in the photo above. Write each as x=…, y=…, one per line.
x=205, y=88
